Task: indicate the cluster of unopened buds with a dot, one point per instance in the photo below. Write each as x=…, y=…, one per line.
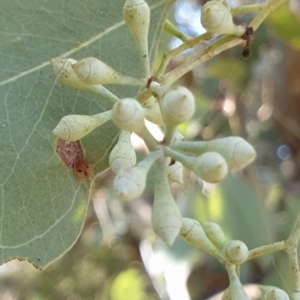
x=210, y=161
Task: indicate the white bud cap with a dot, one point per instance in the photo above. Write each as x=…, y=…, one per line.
x=177, y=106
x=136, y=15
x=237, y=152
x=130, y=183
x=93, y=71
x=210, y=167
x=215, y=234
x=128, y=115
x=122, y=155
x=235, y=252
x=166, y=218
x=216, y=18
x=74, y=127
x=193, y=233
x=174, y=172
x=274, y=293
x=65, y=74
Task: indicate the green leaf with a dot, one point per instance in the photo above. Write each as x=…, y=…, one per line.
x=285, y=25
x=244, y=214
x=43, y=205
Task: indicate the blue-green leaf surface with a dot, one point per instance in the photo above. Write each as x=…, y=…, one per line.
x=42, y=205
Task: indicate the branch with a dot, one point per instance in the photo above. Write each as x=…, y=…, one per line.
x=291, y=249
x=256, y=252
x=220, y=45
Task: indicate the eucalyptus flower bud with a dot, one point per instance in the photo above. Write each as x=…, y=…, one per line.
x=236, y=289
x=274, y=293
x=166, y=218
x=237, y=152
x=74, y=127
x=174, y=172
x=177, y=106
x=193, y=233
x=136, y=15
x=122, y=155
x=128, y=115
x=130, y=183
x=235, y=252
x=216, y=18
x=215, y=234
x=62, y=68
x=65, y=74
x=210, y=166
x=93, y=71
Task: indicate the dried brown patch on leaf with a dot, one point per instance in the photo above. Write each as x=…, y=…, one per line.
x=72, y=156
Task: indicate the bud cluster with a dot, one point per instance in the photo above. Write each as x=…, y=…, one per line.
x=211, y=161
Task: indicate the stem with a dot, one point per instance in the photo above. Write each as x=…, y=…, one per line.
x=219, y=46
x=295, y=234
x=256, y=252
x=102, y=118
x=291, y=249
x=150, y=159
x=127, y=80
x=294, y=269
x=236, y=289
x=187, y=161
x=173, y=30
x=186, y=45
x=169, y=134
x=143, y=96
x=151, y=143
x=209, y=52
x=104, y=92
x=195, y=147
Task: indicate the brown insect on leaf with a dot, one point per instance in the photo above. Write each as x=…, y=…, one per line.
x=72, y=156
